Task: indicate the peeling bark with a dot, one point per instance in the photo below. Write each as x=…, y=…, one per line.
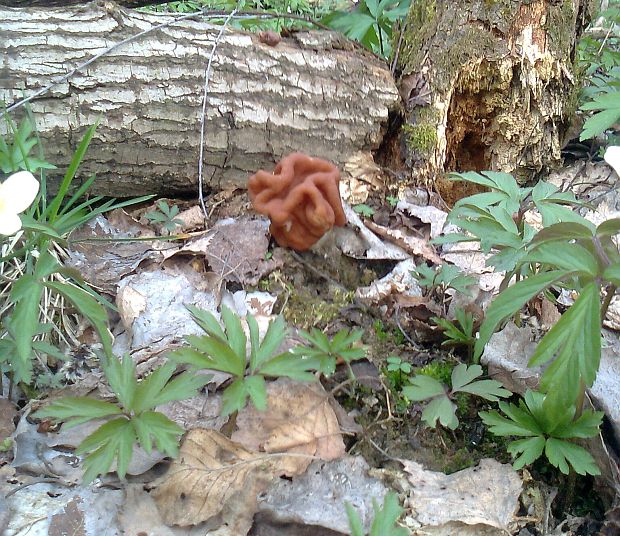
x=311, y=93
x=490, y=84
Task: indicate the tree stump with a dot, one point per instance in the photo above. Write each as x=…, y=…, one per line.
x=488, y=85
x=313, y=93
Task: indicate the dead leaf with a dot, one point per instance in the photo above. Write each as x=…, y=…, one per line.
x=429, y=214
x=7, y=414
x=485, y=495
x=411, y=244
x=69, y=521
x=398, y=281
x=213, y=476
x=299, y=419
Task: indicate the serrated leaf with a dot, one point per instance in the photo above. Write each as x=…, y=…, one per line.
x=256, y=389
x=275, y=335
x=234, y=397
x=235, y=335
x=443, y=409
x=502, y=426
x=561, y=453
x=510, y=301
x=221, y=356
x=526, y=451
x=423, y=387
x=152, y=426
x=462, y=375
x=292, y=366
x=206, y=321
x=569, y=257
x=487, y=389
x=121, y=376
x=385, y=518
x=78, y=409
x=587, y=425
x=185, y=385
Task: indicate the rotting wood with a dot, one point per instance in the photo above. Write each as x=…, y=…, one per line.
x=312, y=93
x=489, y=84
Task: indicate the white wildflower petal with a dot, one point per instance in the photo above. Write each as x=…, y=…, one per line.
x=612, y=157
x=9, y=223
x=18, y=192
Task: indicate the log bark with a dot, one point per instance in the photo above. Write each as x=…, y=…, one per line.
x=311, y=93
x=489, y=85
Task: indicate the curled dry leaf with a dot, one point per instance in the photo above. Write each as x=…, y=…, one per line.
x=299, y=419
x=213, y=476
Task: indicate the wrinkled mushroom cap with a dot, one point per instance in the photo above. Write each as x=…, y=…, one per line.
x=300, y=197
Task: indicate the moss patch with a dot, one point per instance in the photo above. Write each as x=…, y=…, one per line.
x=421, y=138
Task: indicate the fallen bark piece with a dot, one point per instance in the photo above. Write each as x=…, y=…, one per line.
x=263, y=101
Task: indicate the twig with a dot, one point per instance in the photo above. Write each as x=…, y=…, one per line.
x=204, y=111
x=43, y=480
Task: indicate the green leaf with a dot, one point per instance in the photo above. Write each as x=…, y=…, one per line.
x=587, y=425
x=462, y=375
x=385, y=518
x=77, y=410
x=221, y=356
x=612, y=274
x=561, y=453
x=599, y=122
x=530, y=449
x=121, y=376
x=184, y=386
x=510, y=301
x=292, y=366
x=565, y=231
x=24, y=323
x=154, y=426
x=275, y=335
x=235, y=335
x=234, y=397
x=502, y=426
x=88, y=307
x=609, y=227
x=569, y=257
x=206, y=321
x=355, y=522
x=441, y=408
x=113, y=439
x=487, y=389
x=423, y=387
x=255, y=386
x=148, y=389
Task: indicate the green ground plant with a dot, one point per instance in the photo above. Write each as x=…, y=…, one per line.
x=29, y=260
x=165, y=216
x=441, y=406
x=460, y=332
x=131, y=420
x=384, y=522
x=224, y=349
x=599, y=57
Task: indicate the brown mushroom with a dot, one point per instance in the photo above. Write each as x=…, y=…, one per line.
x=301, y=199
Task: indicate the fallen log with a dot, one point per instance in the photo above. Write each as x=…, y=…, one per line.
x=313, y=92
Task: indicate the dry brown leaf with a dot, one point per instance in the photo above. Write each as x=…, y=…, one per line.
x=411, y=244
x=213, y=476
x=299, y=419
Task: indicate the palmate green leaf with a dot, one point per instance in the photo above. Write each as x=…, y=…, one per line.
x=121, y=376
x=206, y=321
x=183, y=386
x=292, y=366
x=234, y=397
x=561, y=453
x=114, y=439
x=275, y=335
x=150, y=387
x=569, y=257
x=510, y=301
x=221, y=356
x=77, y=410
x=189, y=356
x=462, y=375
x=487, y=389
x=526, y=451
x=89, y=307
x=443, y=409
x=256, y=389
x=454, y=335
x=152, y=426
x=234, y=333
x=385, y=518
x=565, y=231
x=600, y=121
x=587, y=425
x=501, y=426
x=317, y=338
x=423, y=387
x=579, y=328
x=24, y=324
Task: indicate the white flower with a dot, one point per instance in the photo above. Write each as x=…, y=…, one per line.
x=16, y=194
x=612, y=157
